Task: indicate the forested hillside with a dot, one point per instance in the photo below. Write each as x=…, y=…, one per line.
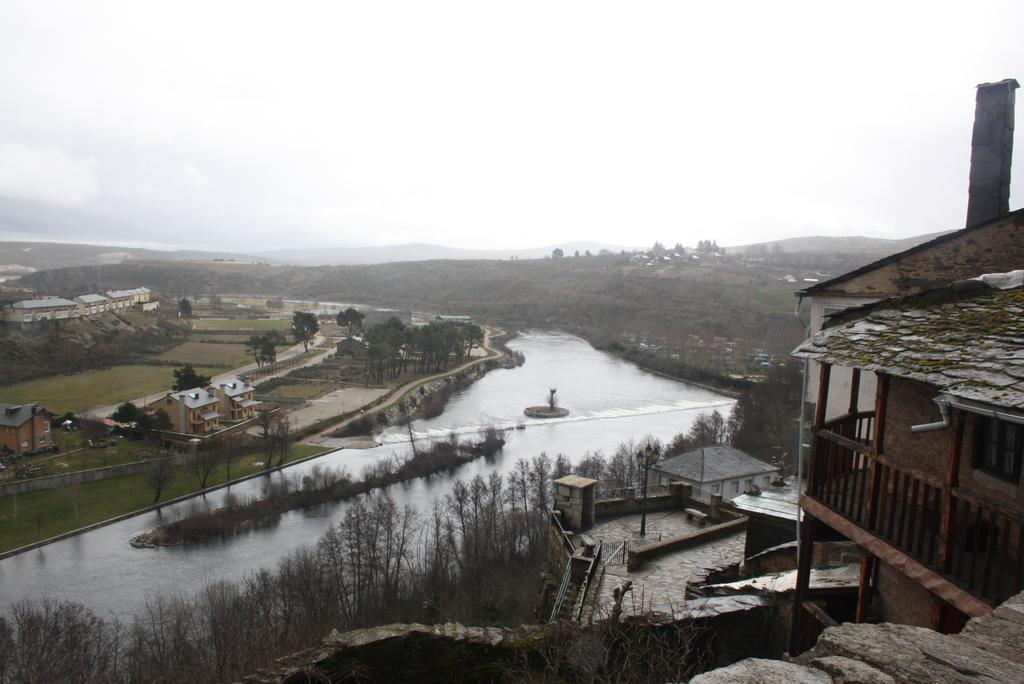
x=601, y=297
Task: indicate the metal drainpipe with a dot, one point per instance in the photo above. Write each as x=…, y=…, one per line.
x=942, y=401
x=800, y=428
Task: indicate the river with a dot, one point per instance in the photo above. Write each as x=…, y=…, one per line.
x=610, y=401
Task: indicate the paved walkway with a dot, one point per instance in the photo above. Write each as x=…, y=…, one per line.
x=660, y=583
x=334, y=403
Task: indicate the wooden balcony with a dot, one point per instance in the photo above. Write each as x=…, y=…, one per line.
x=968, y=542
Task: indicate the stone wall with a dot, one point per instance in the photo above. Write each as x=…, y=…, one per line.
x=83, y=476
x=910, y=403
x=902, y=600
x=765, y=532
x=641, y=554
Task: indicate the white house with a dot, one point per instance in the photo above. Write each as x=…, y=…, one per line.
x=711, y=470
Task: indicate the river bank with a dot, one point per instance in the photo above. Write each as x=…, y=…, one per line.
x=320, y=487
x=611, y=401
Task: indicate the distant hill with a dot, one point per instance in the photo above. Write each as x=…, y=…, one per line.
x=416, y=251
x=838, y=245
x=17, y=258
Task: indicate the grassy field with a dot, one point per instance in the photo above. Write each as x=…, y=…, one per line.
x=242, y=325
x=208, y=354
x=220, y=337
x=94, y=388
x=775, y=297
x=27, y=518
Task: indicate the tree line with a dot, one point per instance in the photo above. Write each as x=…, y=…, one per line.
x=474, y=557
x=395, y=347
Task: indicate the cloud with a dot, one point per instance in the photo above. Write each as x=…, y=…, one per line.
x=46, y=174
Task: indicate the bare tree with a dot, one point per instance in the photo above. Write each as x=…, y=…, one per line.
x=266, y=418
x=281, y=439
x=160, y=477
x=206, y=459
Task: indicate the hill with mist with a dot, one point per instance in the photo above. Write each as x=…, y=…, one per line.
x=26, y=257
x=827, y=244
x=417, y=251
x=601, y=297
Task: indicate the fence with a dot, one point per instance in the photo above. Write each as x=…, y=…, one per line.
x=653, y=490
x=628, y=544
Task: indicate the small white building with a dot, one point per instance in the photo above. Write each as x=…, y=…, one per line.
x=720, y=469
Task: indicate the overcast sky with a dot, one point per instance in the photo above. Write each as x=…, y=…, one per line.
x=247, y=126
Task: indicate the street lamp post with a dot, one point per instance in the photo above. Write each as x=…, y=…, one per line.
x=645, y=458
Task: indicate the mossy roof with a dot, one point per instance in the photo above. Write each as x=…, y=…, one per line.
x=967, y=340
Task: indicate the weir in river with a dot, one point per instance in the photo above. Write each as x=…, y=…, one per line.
x=611, y=401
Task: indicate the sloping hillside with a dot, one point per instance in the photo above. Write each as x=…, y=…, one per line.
x=599, y=296
x=100, y=342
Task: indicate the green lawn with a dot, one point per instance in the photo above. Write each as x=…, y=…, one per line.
x=220, y=337
x=94, y=388
x=260, y=324
x=208, y=354
x=26, y=518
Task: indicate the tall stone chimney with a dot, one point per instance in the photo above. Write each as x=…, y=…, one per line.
x=991, y=152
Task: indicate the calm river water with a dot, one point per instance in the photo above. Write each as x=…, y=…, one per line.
x=611, y=401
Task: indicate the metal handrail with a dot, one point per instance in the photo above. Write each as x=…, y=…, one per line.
x=561, y=531
x=560, y=596
x=620, y=493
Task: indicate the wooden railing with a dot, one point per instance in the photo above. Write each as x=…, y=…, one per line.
x=974, y=544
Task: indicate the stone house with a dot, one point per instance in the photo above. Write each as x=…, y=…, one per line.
x=235, y=399
x=721, y=469
x=194, y=411
x=993, y=240
x=24, y=427
x=352, y=348
x=925, y=477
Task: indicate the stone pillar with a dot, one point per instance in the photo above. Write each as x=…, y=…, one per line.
x=575, y=500
x=991, y=152
x=681, y=493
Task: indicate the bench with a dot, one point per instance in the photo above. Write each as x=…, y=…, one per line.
x=694, y=514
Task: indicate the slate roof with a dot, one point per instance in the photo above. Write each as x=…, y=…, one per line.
x=720, y=463
x=91, y=299
x=209, y=415
x=777, y=502
x=48, y=303
x=966, y=339
x=15, y=415
x=196, y=397
x=235, y=387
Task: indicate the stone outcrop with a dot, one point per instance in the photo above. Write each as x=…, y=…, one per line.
x=761, y=671
x=989, y=649
x=406, y=652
